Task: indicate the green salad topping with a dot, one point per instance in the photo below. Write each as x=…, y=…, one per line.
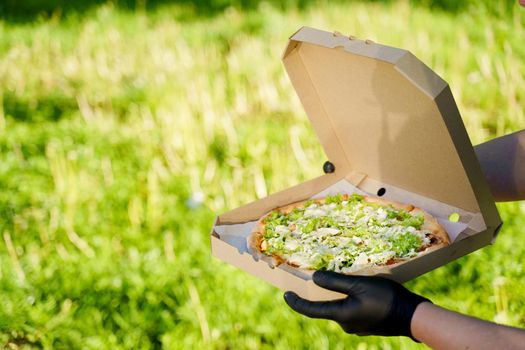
x=344, y=234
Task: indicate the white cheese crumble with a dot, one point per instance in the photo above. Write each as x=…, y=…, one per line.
x=314, y=212
x=328, y=231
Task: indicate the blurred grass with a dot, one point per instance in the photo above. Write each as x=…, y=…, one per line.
x=28, y=10
x=123, y=133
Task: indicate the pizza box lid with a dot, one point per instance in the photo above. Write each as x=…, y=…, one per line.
x=380, y=111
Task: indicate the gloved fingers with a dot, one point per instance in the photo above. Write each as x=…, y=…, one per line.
x=336, y=281
x=315, y=309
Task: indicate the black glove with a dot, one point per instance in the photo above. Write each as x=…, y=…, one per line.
x=374, y=306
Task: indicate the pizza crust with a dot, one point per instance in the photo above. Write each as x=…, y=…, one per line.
x=438, y=236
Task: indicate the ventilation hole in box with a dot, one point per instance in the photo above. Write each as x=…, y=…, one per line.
x=381, y=191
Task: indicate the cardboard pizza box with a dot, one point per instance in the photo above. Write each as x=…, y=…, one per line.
x=390, y=125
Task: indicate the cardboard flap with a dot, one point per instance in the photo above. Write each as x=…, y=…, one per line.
x=379, y=111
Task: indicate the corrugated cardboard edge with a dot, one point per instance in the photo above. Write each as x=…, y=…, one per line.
x=331, y=40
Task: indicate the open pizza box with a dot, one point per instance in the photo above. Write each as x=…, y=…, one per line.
x=390, y=126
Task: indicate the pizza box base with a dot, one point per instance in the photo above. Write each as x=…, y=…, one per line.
x=228, y=237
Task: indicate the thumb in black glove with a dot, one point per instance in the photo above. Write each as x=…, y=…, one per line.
x=374, y=306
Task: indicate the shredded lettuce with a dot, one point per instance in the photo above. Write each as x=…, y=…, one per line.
x=343, y=232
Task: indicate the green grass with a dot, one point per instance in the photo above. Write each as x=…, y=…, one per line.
x=115, y=123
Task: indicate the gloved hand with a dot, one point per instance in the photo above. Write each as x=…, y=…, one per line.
x=374, y=306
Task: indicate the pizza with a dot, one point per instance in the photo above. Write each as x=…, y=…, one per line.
x=345, y=233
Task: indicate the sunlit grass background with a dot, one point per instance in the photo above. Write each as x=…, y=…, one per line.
x=125, y=130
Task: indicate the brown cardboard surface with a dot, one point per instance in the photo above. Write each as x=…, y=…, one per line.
x=385, y=120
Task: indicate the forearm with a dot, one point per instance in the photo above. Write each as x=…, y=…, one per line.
x=444, y=329
x=503, y=163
